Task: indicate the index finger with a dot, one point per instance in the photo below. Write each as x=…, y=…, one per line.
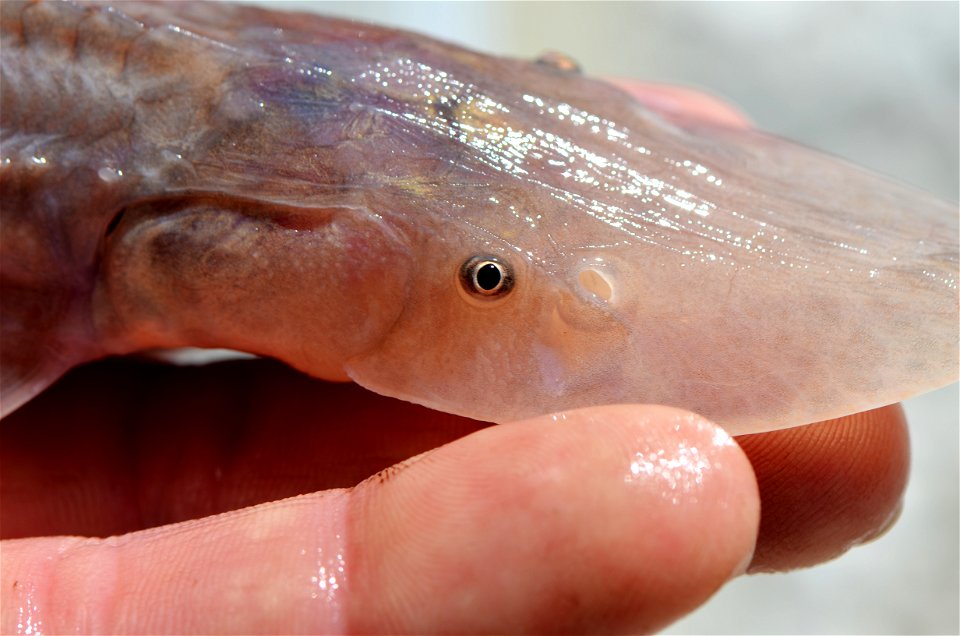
x=684, y=102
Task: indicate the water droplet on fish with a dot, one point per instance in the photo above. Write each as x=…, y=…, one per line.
x=109, y=175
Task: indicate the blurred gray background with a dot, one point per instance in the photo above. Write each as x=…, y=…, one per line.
x=873, y=82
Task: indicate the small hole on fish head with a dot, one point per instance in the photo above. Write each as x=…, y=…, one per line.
x=486, y=277
x=596, y=282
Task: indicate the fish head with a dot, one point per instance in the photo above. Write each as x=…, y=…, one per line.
x=647, y=259
x=567, y=246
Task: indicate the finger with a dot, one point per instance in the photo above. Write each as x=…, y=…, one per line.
x=124, y=445
x=611, y=518
x=827, y=487
x=684, y=104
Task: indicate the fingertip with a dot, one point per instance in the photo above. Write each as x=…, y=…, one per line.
x=684, y=103
x=609, y=518
x=828, y=487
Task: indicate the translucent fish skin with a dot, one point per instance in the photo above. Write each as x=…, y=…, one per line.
x=308, y=188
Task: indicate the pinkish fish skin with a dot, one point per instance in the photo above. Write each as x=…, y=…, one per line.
x=212, y=175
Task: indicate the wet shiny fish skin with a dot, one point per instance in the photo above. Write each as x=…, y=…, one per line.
x=308, y=189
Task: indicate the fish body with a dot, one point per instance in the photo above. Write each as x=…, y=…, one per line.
x=338, y=195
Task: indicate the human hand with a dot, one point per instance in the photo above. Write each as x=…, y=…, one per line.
x=605, y=519
x=612, y=518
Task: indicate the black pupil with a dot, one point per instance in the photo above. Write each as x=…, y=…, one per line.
x=488, y=277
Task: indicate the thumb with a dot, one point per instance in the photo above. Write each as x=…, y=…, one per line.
x=603, y=519
x=611, y=518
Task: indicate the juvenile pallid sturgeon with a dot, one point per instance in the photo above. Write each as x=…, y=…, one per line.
x=489, y=237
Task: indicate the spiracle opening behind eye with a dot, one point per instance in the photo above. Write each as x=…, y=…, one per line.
x=486, y=276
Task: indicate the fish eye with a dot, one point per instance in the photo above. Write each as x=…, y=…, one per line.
x=486, y=276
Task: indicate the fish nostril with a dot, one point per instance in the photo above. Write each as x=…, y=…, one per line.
x=596, y=283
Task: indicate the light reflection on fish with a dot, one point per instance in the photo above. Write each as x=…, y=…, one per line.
x=489, y=237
